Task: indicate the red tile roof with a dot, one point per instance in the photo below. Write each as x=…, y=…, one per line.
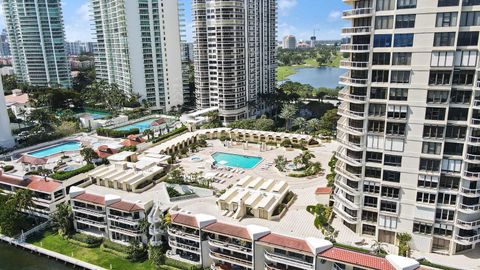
x=183, y=219
x=90, y=198
x=125, y=206
x=323, y=190
x=33, y=160
x=103, y=151
x=13, y=99
x=132, y=140
x=227, y=229
x=32, y=182
x=286, y=242
x=356, y=258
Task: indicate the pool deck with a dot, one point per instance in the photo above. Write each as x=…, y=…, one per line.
x=304, y=188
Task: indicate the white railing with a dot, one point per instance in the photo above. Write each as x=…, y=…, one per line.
x=357, y=12
x=474, y=207
x=473, y=157
x=471, y=174
x=469, y=239
x=354, y=47
x=353, y=64
x=470, y=191
x=346, y=79
x=357, y=30
x=275, y=257
x=184, y=234
x=214, y=242
x=351, y=97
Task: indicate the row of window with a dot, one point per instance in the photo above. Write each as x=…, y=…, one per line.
x=440, y=39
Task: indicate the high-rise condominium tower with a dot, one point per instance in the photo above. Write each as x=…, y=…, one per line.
x=289, y=42
x=234, y=55
x=6, y=138
x=138, y=48
x=37, y=41
x=409, y=131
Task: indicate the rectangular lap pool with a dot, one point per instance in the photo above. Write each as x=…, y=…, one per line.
x=56, y=149
x=238, y=161
x=142, y=126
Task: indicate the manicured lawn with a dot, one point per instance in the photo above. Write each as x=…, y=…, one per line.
x=336, y=61
x=284, y=71
x=96, y=256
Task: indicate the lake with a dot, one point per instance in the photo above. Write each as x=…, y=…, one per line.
x=318, y=77
x=12, y=258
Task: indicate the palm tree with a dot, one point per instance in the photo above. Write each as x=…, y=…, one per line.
x=305, y=157
x=378, y=247
x=62, y=219
x=88, y=155
x=148, y=132
x=287, y=113
x=301, y=124
x=23, y=200
x=403, y=243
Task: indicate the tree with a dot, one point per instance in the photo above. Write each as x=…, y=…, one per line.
x=10, y=219
x=176, y=176
x=148, y=133
x=313, y=126
x=328, y=122
x=136, y=251
x=281, y=163
x=264, y=124
x=44, y=118
x=287, y=113
x=403, y=240
x=9, y=83
x=301, y=124
x=378, y=247
x=88, y=155
x=157, y=256
x=110, y=95
x=62, y=219
x=320, y=96
x=305, y=157
x=23, y=200
x=67, y=115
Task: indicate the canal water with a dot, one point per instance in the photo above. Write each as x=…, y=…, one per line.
x=12, y=258
x=318, y=77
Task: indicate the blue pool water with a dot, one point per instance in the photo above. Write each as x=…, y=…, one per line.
x=56, y=149
x=238, y=161
x=140, y=125
x=95, y=114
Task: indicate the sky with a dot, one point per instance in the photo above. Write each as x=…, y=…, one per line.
x=296, y=17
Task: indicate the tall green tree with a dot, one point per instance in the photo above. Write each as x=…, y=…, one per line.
x=109, y=95
x=44, y=118
x=288, y=113
x=328, y=122
x=62, y=219
x=88, y=155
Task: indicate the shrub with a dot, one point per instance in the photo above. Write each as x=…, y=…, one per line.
x=286, y=143
x=434, y=265
x=107, y=244
x=297, y=174
x=7, y=168
x=67, y=175
x=172, y=192
x=112, y=133
x=89, y=240
x=288, y=197
x=131, y=148
x=170, y=134
x=279, y=209
x=181, y=265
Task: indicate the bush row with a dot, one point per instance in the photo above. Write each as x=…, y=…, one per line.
x=66, y=175
x=178, y=264
x=112, y=133
x=170, y=134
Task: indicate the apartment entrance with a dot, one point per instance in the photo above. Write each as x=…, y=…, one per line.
x=440, y=245
x=386, y=236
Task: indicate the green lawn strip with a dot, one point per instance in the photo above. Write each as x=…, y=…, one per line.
x=284, y=71
x=95, y=256
x=335, y=61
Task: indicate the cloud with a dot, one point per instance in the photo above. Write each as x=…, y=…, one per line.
x=78, y=27
x=334, y=15
x=284, y=6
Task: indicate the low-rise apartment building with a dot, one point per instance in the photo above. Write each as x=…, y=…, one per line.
x=108, y=216
x=46, y=193
x=201, y=240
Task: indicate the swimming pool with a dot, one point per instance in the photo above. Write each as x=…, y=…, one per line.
x=140, y=125
x=95, y=114
x=238, y=161
x=56, y=149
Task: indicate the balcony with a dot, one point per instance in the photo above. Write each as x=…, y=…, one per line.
x=182, y=234
x=189, y=248
x=343, y=171
x=89, y=211
x=476, y=103
x=345, y=95
x=343, y=155
x=476, y=121
x=471, y=175
x=472, y=158
x=470, y=192
x=347, y=80
x=357, y=13
x=355, y=48
x=339, y=197
x=229, y=246
x=359, y=30
x=474, y=139
x=344, y=110
x=339, y=181
x=469, y=208
x=229, y=258
x=127, y=220
x=126, y=231
x=346, y=127
x=468, y=225
x=467, y=240
x=94, y=223
x=287, y=260
x=349, y=64
x=345, y=216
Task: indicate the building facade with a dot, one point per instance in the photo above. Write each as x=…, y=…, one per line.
x=409, y=134
x=289, y=42
x=79, y=47
x=4, y=45
x=138, y=48
x=37, y=42
x=234, y=55
x=203, y=241
x=6, y=139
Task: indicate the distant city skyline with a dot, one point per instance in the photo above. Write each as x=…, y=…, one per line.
x=296, y=17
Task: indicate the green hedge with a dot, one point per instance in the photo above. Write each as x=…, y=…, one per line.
x=112, y=133
x=66, y=175
x=434, y=265
x=181, y=265
x=107, y=244
x=170, y=134
x=7, y=168
x=89, y=240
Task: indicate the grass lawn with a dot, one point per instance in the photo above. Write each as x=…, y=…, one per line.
x=96, y=256
x=284, y=71
x=335, y=61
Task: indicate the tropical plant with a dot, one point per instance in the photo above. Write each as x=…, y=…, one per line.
x=378, y=247
x=287, y=113
x=157, y=256
x=136, y=251
x=23, y=199
x=62, y=219
x=301, y=124
x=110, y=95
x=148, y=133
x=44, y=118
x=281, y=163
x=328, y=122
x=88, y=155
x=403, y=240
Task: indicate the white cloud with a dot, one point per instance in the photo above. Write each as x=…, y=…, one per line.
x=79, y=28
x=334, y=15
x=284, y=6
